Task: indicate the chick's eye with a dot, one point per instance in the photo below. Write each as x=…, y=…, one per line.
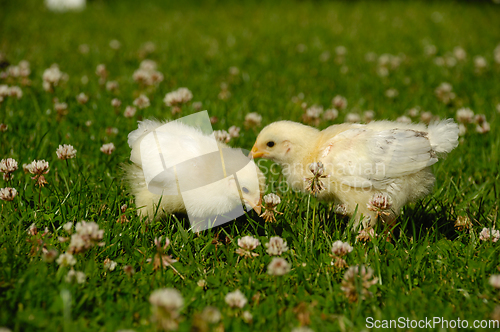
x=270, y=144
x=245, y=190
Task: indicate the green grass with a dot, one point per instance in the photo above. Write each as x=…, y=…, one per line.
x=429, y=269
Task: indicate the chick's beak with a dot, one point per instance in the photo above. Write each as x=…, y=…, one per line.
x=256, y=153
x=257, y=207
x=255, y=204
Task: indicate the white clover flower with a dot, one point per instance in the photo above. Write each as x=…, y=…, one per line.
x=148, y=65
x=112, y=85
x=426, y=117
x=101, y=70
x=483, y=128
x=38, y=167
x=391, y=93
x=129, y=111
x=370, y=56
x=340, y=50
x=4, y=90
x=302, y=329
x=339, y=102
x=246, y=316
x=142, y=102
x=66, y=151
x=331, y=114
x=49, y=256
x=83, y=48
x=358, y=276
x=61, y=108
x=495, y=281
x=197, y=105
x=430, y=49
x=108, y=148
x=234, y=71
x=211, y=315
x=352, y=118
x=115, y=102
x=413, y=112
x=82, y=98
x=403, y=119
x=65, y=5
x=32, y=230
x=166, y=304
x=129, y=270
x=66, y=259
x=157, y=242
x=8, y=166
x=271, y=201
x=90, y=230
x=488, y=234
x=315, y=183
x=248, y=242
x=147, y=73
x=379, y=202
x=462, y=130
x=15, y=91
x=234, y=131
x=236, y=299
x=366, y=234
x=52, y=77
x=276, y=246
x=459, y=53
x=178, y=97
x=8, y=194
x=368, y=116
x=87, y=235
x=222, y=136
x=78, y=243
x=340, y=248
x=314, y=112
x=109, y=265
x=115, y=44
x=77, y=276
x=465, y=115
x=496, y=54
x=253, y=120
x=445, y=93
x=278, y=267
x=480, y=62
x=168, y=299
x=68, y=226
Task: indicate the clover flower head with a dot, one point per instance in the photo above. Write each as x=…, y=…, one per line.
x=236, y=299
x=278, y=267
x=66, y=151
x=276, y=246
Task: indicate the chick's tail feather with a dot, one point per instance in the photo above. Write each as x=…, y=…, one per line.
x=443, y=136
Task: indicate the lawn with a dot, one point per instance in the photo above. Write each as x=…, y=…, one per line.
x=277, y=59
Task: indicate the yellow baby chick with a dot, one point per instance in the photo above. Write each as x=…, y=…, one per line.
x=178, y=168
x=377, y=168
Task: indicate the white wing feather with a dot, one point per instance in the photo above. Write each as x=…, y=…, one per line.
x=364, y=158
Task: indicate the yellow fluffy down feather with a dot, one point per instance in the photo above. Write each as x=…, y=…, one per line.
x=377, y=168
x=181, y=145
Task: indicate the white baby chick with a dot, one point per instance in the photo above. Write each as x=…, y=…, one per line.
x=189, y=176
x=377, y=168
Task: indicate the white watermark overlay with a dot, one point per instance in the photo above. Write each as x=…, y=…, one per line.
x=340, y=177
x=182, y=162
x=430, y=323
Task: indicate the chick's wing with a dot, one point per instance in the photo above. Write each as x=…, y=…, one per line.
x=364, y=158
